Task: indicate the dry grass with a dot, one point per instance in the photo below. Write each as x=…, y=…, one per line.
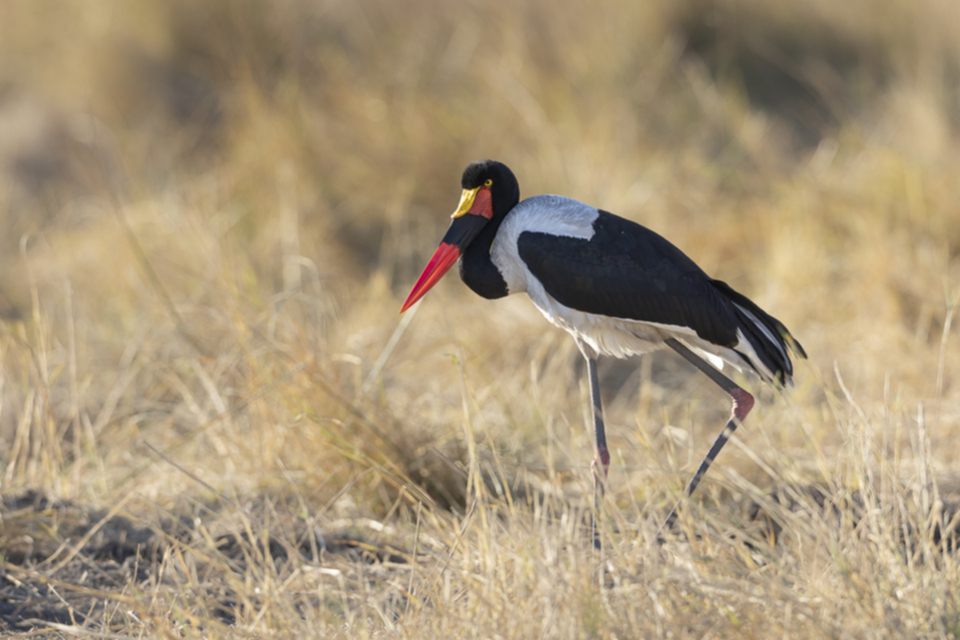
x=214, y=423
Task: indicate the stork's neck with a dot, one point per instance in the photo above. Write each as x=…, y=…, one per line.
x=477, y=269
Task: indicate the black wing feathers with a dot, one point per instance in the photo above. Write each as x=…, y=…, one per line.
x=628, y=271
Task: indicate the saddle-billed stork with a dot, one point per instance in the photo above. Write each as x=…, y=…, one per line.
x=619, y=288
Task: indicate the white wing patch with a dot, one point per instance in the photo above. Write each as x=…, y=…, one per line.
x=555, y=215
x=620, y=338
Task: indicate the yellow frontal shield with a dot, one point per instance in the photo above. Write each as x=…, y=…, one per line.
x=466, y=201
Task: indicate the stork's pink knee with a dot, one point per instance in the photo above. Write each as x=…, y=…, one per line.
x=603, y=456
x=742, y=404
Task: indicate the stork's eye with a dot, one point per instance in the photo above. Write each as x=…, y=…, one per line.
x=488, y=183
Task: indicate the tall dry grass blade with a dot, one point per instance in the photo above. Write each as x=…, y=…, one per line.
x=405, y=321
x=952, y=302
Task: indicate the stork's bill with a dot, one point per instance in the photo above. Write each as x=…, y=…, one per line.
x=473, y=213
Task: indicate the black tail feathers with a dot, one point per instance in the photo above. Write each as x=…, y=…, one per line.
x=771, y=341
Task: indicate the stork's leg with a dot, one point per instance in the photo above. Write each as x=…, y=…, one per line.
x=601, y=456
x=742, y=403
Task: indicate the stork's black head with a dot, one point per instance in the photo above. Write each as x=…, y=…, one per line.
x=490, y=191
x=497, y=177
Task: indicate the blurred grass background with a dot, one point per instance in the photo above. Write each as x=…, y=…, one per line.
x=210, y=213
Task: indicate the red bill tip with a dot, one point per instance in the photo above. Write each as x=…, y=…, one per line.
x=443, y=258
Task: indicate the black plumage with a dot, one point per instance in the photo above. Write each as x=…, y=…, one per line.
x=628, y=271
